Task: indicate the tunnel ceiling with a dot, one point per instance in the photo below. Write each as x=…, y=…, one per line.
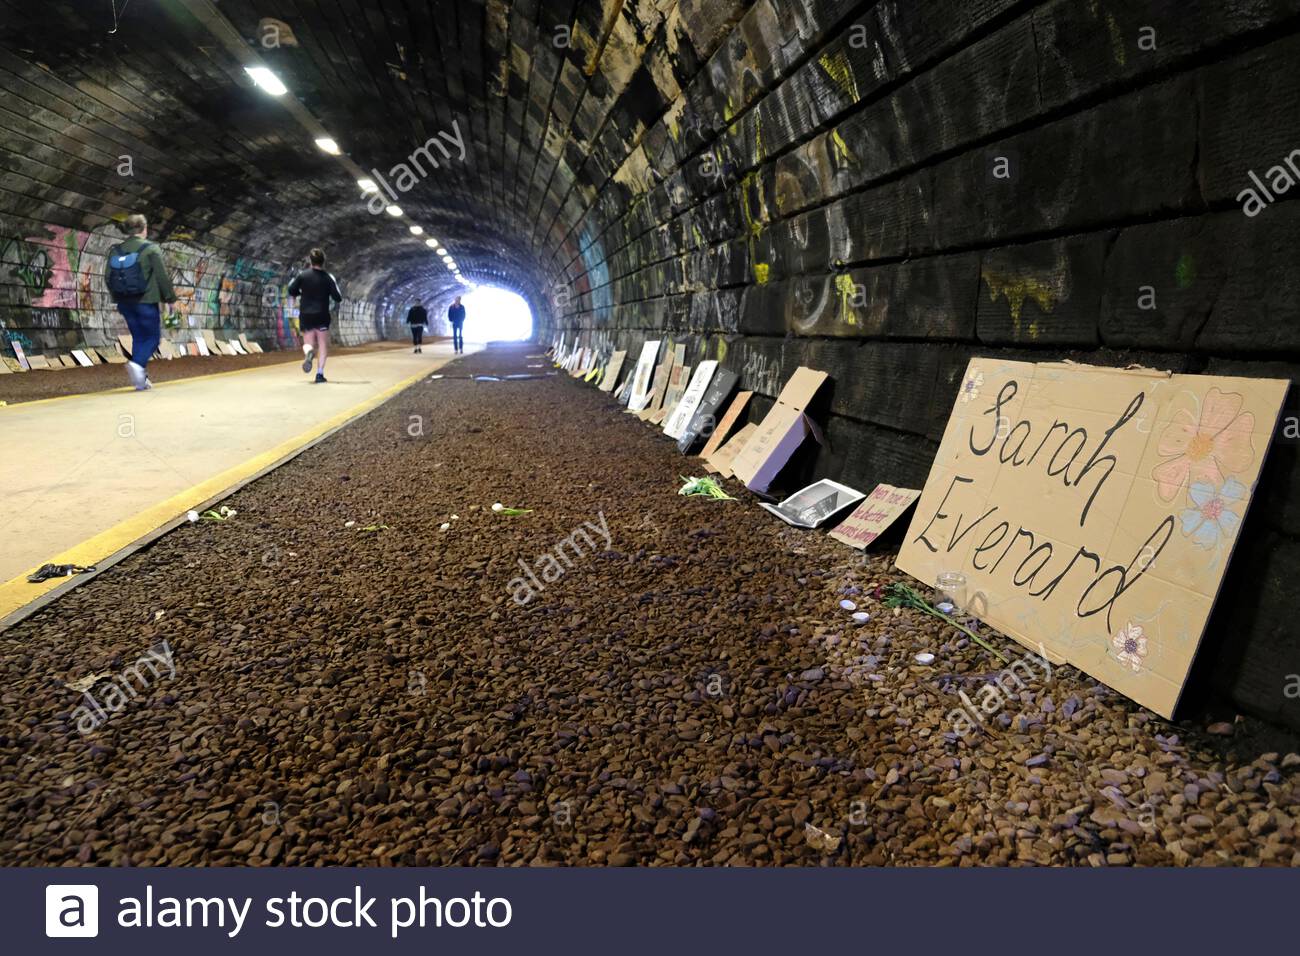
x=550, y=99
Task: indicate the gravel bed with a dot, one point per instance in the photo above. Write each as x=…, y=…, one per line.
x=685, y=691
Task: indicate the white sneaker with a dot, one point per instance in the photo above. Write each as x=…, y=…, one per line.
x=136, y=374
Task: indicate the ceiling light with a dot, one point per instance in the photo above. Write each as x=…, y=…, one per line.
x=266, y=80
x=417, y=230
x=367, y=185
x=431, y=242
x=442, y=252
x=328, y=145
x=393, y=211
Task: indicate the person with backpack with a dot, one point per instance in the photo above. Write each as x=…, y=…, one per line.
x=317, y=289
x=456, y=315
x=137, y=278
x=417, y=318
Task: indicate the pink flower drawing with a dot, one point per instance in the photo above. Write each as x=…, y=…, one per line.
x=1208, y=449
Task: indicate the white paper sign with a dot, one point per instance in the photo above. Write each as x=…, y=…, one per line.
x=690, y=400
x=645, y=366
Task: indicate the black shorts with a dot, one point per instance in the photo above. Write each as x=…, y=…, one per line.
x=311, y=323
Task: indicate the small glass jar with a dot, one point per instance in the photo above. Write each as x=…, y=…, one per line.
x=953, y=586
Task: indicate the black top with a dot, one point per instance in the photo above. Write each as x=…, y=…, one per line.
x=317, y=287
x=457, y=314
x=417, y=316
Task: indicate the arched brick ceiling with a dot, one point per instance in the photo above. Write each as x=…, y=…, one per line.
x=550, y=98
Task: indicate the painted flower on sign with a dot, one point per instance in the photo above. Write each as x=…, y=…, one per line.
x=970, y=389
x=1205, y=449
x=1211, y=516
x=1130, y=645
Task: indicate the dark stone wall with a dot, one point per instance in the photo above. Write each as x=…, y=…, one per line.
x=882, y=190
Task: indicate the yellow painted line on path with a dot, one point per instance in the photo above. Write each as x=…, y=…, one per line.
x=19, y=597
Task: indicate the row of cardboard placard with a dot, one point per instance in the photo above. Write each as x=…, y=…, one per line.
x=1092, y=511
x=205, y=343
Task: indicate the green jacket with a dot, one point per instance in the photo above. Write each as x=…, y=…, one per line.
x=159, y=281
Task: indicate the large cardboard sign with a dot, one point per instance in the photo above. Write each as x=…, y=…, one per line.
x=721, y=460
x=1093, y=510
x=877, y=512
x=612, y=370
x=781, y=432
x=705, y=420
x=645, y=365
x=690, y=400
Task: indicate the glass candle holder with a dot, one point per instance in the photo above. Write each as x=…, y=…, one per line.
x=953, y=586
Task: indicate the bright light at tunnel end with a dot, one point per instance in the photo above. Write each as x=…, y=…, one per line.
x=495, y=314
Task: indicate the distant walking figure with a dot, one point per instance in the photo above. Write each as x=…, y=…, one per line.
x=136, y=276
x=317, y=288
x=457, y=316
x=417, y=318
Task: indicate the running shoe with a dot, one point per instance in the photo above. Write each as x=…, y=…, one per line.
x=311, y=357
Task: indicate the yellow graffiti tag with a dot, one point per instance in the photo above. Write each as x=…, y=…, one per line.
x=844, y=283
x=761, y=271
x=1017, y=289
x=837, y=68
x=843, y=156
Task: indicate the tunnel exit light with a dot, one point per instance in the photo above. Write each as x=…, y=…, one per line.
x=267, y=80
x=497, y=314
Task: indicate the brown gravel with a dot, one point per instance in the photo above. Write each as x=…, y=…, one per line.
x=44, y=383
x=691, y=695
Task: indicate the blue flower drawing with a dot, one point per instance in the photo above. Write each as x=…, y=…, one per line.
x=1211, y=516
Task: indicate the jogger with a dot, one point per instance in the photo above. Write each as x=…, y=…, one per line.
x=136, y=275
x=317, y=288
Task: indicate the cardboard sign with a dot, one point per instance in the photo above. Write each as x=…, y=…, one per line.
x=705, y=419
x=1093, y=510
x=816, y=504
x=729, y=419
x=870, y=519
x=676, y=386
x=782, y=431
x=721, y=460
x=639, y=396
x=612, y=369
x=663, y=373
x=691, y=398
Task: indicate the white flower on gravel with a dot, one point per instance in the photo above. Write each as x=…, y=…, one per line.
x=498, y=507
x=444, y=526
x=192, y=516
x=1131, y=643
x=348, y=524
x=455, y=517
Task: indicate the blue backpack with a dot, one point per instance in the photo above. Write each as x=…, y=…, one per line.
x=126, y=278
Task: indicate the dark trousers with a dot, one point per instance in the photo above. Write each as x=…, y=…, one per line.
x=144, y=321
x=458, y=336
x=417, y=335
